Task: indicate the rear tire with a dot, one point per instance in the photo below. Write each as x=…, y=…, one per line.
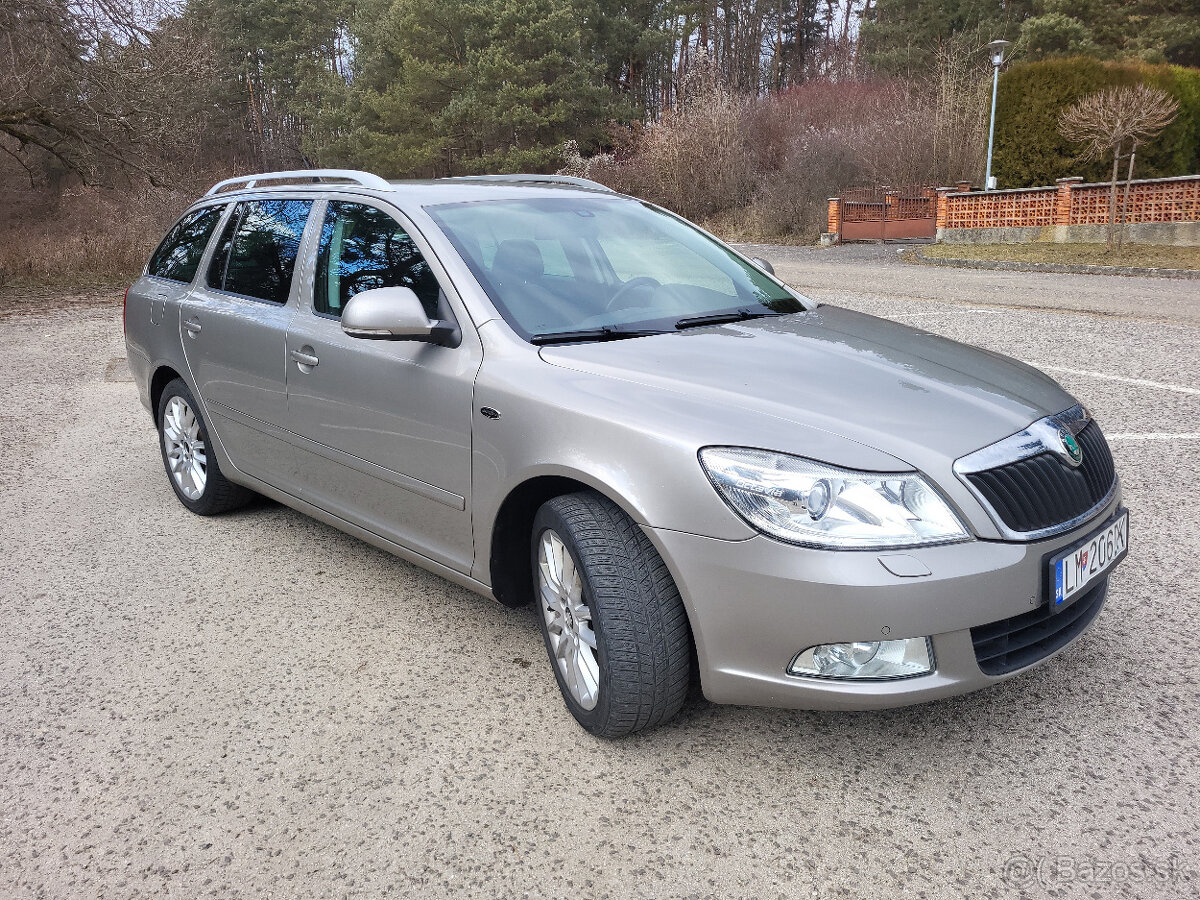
x=191, y=466
x=612, y=620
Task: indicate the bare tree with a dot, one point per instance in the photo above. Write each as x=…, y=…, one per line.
x=94, y=84
x=1102, y=122
x=956, y=93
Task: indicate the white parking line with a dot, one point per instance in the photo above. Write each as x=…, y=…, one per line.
x=1177, y=388
x=1155, y=436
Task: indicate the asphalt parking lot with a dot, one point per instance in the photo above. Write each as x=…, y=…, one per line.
x=261, y=706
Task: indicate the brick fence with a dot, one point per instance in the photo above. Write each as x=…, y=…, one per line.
x=1070, y=202
x=1159, y=210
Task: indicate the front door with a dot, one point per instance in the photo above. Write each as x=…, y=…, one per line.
x=234, y=323
x=386, y=425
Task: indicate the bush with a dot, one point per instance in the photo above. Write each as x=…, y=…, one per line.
x=1029, y=148
x=792, y=201
x=763, y=169
x=696, y=161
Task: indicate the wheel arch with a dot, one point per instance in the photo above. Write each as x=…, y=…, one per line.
x=508, y=561
x=163, y=375
x=166, y=372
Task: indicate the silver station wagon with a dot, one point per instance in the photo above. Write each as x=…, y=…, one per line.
x=552, y=393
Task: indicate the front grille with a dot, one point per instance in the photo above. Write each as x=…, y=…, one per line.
x=1044, y=491
x=1012, y=644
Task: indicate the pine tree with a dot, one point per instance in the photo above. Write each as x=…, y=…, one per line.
x=463, y=86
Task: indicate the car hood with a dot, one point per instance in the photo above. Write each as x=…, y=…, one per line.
x=915, y=396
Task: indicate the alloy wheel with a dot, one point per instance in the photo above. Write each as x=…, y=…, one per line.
x=187, y=453
x=568, y=620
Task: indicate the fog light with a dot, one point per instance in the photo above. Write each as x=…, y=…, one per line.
x=866, y=659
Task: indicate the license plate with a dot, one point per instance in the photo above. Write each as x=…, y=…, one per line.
x=1073, y=570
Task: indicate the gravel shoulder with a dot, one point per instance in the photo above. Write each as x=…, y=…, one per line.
x=261, y=706
x=921, y=256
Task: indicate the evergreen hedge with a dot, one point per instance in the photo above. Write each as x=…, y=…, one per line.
x=1030, y=151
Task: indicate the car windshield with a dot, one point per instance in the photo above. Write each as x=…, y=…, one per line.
x=583, y=267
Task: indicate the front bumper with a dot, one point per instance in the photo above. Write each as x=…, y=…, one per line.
x=755, y=604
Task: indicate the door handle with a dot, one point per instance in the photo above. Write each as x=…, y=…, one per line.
x=193, y=326
x=304, y=358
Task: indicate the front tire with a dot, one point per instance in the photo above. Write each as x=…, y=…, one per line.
x=187, y=456
x=612, y=620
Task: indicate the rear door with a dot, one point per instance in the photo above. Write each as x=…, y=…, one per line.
x=233, y=326
x=152, y=304
x=387, y=424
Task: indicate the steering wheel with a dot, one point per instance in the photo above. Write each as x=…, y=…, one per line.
x=361, y=281
x=633, y=284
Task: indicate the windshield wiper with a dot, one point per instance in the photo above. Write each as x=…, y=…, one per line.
x=609, y=333
x=604, y=333
x=722, y=318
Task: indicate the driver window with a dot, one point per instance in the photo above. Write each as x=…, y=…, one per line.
x=363, y=248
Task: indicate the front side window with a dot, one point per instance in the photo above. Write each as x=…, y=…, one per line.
x=257, y=250
x=178, y=256
x=363, y=248
x=572, y=263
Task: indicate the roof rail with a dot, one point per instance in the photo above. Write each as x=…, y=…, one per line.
x=362, y=179
x=535, y=179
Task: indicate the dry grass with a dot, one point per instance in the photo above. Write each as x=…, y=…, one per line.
x=1139, y=255
x=57, y=232
x=85, y=235
x=737, y=228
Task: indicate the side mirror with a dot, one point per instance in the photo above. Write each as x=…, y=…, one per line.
x=763, y=264
x=392, y=314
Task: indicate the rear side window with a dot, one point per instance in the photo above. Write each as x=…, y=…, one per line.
x=178, y=256
x=257, y=250
x=363, y=248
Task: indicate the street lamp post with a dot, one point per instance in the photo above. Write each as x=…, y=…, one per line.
x=997, y=48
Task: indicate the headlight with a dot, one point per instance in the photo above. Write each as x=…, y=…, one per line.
x=806, y=502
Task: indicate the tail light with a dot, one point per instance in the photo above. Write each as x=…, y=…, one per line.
x=124, y=312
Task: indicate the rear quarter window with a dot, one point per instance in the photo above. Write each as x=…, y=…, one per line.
x=178, y=256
